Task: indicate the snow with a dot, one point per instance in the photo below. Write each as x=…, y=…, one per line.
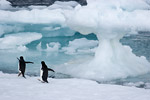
x=13, y=87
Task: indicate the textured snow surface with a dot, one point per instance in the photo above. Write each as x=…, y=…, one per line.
x=18, y=88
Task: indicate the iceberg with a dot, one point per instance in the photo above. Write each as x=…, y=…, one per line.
x=110, y=21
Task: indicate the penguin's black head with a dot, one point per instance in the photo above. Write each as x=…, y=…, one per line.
x=43, y=65
x=21, y=57
x=42, y=62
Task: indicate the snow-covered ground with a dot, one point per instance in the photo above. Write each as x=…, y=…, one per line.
x=13, y=87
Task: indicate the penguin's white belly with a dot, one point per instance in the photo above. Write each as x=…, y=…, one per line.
x=18, y=68
x=41, y=74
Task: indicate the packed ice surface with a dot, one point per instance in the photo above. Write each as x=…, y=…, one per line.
x=13, y=87
x=109, y=20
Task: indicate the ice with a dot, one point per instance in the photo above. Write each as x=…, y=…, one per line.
x=145, y=85
x=63, y=5
x=22, y=48
x=123, y=4
x=57, y=5
x=85, y=46
x=8, y=28
x=4, y=4
x=54, y=14
x=110, y=21
x=37, y=7
x=14, y=88
x=51, y=28
x=34, y=16
x=18, y=40
x=69, y=3
x=51, y=47
x=54, y=30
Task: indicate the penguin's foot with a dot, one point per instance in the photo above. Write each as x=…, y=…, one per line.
x=24, y=77
x=19, y=74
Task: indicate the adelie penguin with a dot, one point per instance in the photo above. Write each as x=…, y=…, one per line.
x=44, y=72
x=22, y=66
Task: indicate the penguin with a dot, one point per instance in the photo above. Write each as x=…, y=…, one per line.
x=22, y=66
x=44, y=72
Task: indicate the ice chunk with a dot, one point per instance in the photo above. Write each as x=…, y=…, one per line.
x=51, y=47
x=34, y=16
x=8, y=28
x=4, y=4
x=63, y=5
x=80, y=46
x=51, y=28
x=18, y=40
x=110, y=21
